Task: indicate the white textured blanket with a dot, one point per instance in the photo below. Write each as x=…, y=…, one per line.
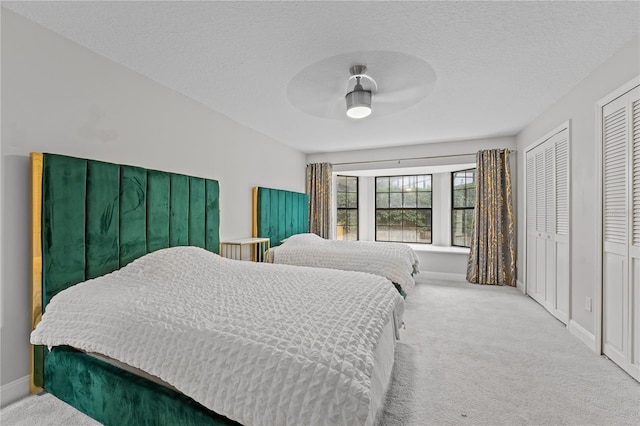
x=395, y=261
x=261, y=344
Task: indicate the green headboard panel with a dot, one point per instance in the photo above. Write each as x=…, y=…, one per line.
x=278, y=214
x=97, y=217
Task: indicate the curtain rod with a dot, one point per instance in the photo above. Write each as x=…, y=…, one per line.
x=412, y=158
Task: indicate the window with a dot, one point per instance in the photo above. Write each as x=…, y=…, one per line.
x=403, y=209
x=347, y=206
x=463, y=199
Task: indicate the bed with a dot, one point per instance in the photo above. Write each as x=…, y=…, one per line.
x=278, y=215
x=144, y=323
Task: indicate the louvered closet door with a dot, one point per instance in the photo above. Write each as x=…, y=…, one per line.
x=548, y=253
x=621, y=231
x=548, y=261
x=550, y=224
x=532, y=287
x=560, y=242
x=634, y=250
x=541, y=229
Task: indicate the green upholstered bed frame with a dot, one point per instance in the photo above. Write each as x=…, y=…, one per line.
x=90, y=218
x=279, y=214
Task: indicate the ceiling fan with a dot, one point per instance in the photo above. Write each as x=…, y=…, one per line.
x=359, y=99
x=379, y=83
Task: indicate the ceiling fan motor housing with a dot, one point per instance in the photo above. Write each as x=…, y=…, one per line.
x=358, y=100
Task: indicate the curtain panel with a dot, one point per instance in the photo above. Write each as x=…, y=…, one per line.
x=319, y=191
x=492, y=259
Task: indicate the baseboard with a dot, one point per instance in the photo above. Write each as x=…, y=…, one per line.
x=443, y=276
x=520, y=286
x=582, y=334
x=11, y=392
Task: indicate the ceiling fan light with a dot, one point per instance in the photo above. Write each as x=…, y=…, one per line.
x=358, y=103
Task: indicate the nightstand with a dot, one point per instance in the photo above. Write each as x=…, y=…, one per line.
x=253, y=249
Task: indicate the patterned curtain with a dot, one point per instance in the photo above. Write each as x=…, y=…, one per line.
x=493, y=246
x=319, y=190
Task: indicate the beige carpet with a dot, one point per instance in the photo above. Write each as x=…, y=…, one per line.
x=470, y=355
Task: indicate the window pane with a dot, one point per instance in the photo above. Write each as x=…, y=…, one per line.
x=352, y=217
x=463, y=203
x=382, y=217
x=462, y=227
x=423, y=218
x=382, y=201
x=395, y=183
x=457, y=227
x=458, y=179
x=424, y=235
x=409, y=235
x=423, y=183
x=471, y=176
x=409, y=218
x=346, y=207
x=409, y=183
x=352, y=184
x=409, y=199
x=352, y=234
x=382, y=184
x=395, y=233
x=395, y=217
x=459, y=198
x=341, y=200
x=395, y=200
x=471, y=197
x=424, y=199
x=352, y=200
x=382, y=233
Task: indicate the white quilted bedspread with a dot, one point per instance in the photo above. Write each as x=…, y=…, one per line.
x=261, y=344
x=395, y=261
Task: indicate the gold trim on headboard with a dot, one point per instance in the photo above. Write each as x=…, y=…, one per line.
x=254, y=217
x=36, y=252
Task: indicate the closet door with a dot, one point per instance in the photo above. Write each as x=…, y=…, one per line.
x=550, y=224
x=560, y=241
x=541, y=230
x=548, y=260
x=532, y=287
x=634, y=250
x=621, y=231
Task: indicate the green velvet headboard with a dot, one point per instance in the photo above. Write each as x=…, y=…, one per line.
x=278, y=214
x=96, y=217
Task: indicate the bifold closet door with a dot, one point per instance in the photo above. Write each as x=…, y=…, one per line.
x=548, y=262
x=621, y=231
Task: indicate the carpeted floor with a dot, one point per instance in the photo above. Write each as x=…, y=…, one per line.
x=470, y=355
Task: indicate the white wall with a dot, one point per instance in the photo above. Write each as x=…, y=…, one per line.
x=579, y=107
x=60, y=98
x=442, y=265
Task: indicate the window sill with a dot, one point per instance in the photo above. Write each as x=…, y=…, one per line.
x=440, y=249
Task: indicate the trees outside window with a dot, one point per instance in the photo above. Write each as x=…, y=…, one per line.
x=463, y=198
x=347, y=207
x=403, y=209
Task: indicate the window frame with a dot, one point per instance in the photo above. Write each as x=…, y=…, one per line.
x=375, y=208
x=454, y=209
x=357, y=208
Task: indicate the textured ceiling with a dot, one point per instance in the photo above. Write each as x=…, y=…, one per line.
x=498, y=65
